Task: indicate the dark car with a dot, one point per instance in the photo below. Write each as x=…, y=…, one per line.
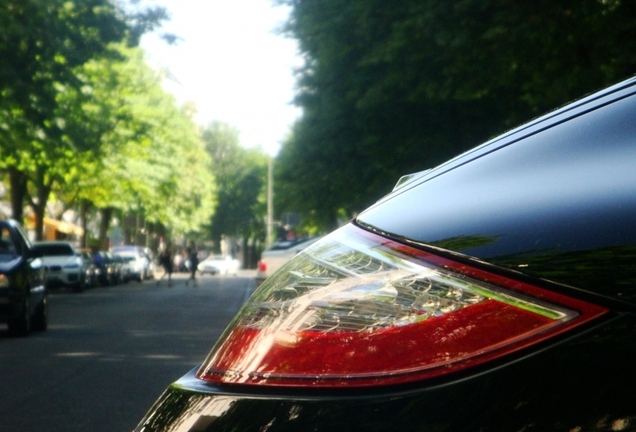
x=119, y=266
x=23, y=295
x=108, y=268
x=495, y=292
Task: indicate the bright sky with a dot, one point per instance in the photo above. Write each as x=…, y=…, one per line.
x=231, y=64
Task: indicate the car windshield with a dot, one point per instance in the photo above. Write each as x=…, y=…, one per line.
x=55, y=249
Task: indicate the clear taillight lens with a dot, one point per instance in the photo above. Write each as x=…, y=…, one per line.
x=356, y=309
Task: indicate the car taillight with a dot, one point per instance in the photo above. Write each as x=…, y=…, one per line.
x=356, y=309
x=262, y=266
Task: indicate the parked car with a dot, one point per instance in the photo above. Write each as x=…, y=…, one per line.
x=128, y=269
x=495, y=292
x=151, y=263
x=278, y=254
x=90, y=274
x=23, y=294
x=137, y=264
x=118, y=267
x=62, y=265
x=99, y=269
x=222, y=265
x=109, y=270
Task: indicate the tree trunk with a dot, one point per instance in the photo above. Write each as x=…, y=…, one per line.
x=17, y=181
x=39, y=207
x=245, y=248
x=104, y=224
x=83, y=212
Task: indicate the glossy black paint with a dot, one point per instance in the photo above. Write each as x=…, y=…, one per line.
x=559, y=204
x=552, y=202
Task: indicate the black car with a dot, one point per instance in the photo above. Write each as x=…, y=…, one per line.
x=107, y=269
x=119, y=267
x=23, y=295
x=495, y=292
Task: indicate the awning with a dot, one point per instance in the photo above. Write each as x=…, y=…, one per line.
x=63, y=227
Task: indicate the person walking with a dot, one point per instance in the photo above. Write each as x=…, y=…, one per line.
x=165, y=260
x=194, y=263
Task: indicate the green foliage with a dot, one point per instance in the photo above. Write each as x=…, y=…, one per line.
x=240, y=177
x=43, y=43
x=143, y=154
x=390, y=88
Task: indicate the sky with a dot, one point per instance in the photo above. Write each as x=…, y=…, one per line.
x=231, y=64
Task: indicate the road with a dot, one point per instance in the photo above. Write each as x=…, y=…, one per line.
x=110, y=352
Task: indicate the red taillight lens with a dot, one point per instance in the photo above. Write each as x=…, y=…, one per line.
x=356, y=309
x=262, y=266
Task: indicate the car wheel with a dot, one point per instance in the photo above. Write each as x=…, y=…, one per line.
x=20, y=325
x=41, y=316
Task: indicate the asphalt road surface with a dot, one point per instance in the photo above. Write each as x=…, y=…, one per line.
x=110, y=352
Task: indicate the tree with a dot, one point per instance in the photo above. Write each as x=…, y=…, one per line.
x=149, y=158
x=390, y=88
x=42, y=43
x=240, y=177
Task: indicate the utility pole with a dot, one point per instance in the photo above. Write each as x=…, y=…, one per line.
x=270, y=201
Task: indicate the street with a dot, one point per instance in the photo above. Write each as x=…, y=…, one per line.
x=109, y=352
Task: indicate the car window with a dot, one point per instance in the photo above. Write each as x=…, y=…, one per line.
x=22, y=243
x=7, y=245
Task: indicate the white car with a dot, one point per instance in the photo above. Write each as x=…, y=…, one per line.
x=278, y=254
x=63, y=266
x=219, y=264
x=137, y=264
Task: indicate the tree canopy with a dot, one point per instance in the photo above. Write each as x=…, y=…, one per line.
x=84, y=119
x=240, y=175
x=149, y=153
x=390, y=88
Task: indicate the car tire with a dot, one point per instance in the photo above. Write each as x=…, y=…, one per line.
x=78, y=287
x=21, y=325
x=40, y=320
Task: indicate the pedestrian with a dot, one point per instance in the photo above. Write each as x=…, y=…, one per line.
x=165, y=260
x=194, y=263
